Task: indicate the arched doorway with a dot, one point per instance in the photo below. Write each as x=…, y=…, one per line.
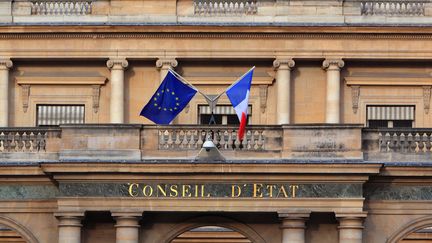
x=211, y=234
x=8, y=235
x=419, y=236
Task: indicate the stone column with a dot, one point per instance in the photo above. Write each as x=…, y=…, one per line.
x=283, y=86
x=127, y=227
x=117, y=67
x=5, y=65
x=333, y=67
x=293, y=227
x=165, y=64
x=350, y=229
x=69, y=227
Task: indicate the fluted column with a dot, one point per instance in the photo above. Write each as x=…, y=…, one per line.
x=127, y=227
x=69, y=227
x=293, y=227
x=5, y=65
x=283, y=87
x=117, y=67
x=350, y=229
x=333, y=66
x=165, y=64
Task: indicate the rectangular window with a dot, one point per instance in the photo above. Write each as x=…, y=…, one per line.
x=223, y=115
x=390, y=116
x=50, y=115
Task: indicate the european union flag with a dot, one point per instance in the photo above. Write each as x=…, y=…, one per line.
x=170, y=99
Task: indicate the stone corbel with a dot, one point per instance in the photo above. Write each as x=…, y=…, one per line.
x=25, y=95
x=263, y=97
x=333, y=64
x=426, y=98
x=95, y=97
x=355, y=95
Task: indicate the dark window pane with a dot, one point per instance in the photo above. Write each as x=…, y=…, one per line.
x=205, y=119
x=402, y=123
x=378, y=123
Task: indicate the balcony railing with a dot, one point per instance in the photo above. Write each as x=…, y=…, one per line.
x=61, y=7
x=29, y=140
x=393, y=8
x=225, y=8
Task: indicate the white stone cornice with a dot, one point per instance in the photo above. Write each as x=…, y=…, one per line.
x=5, y=64
x=117, y=63
x=333, y=64
x=284, y=63
x=164, y=62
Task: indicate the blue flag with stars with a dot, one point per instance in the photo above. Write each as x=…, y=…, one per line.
x=170, y=99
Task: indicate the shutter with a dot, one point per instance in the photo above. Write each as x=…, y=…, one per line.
x=49, y=115
x=390, y=113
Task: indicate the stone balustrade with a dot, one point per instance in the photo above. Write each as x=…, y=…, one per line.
x=221, y=8
x=61, y=7
x=224, y=137
x=393, y=7
x=30, y=140
x=135, y=142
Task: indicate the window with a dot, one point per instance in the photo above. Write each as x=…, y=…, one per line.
x=390, y=116
x=223, y=114
x=50, y=115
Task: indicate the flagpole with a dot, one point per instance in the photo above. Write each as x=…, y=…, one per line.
x=239, y=78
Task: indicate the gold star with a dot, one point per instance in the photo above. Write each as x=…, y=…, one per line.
x=155, y=98
x=167, y=90
x=165, y=109
x=158, y=93
x=155, y=104
x=159, y=107
x=163, y=91
x=177, y=98
x=177, y=104
x=175, y=108
x=171, y=109
x=173, y=93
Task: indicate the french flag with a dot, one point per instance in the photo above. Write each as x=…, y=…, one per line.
x=238, y=94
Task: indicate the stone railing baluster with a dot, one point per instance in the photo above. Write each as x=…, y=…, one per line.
x=24, y=140
x=225, y=8
x=393, y=8
x=59, y=7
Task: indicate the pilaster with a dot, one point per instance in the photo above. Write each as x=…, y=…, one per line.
x=5, y=65
x=69, y=227
x=283, y=83
x=127, y=226
x=333, y=67
x=117, y=67
x=293, y=227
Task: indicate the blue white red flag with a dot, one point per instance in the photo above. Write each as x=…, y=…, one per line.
x=238, y=94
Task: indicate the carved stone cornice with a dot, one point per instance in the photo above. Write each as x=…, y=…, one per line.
x=117, y=64
x=5, y=64
x=166, y=63
x=333, y=64
x=216, y=35
x=283, y=64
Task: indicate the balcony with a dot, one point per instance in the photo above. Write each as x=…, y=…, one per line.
x=129, y=142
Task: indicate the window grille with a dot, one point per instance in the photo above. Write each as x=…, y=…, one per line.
x=50, y=115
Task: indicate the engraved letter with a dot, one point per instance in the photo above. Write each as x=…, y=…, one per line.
x=173, y=191
x=131, y=190
x=257, y=190
x=270, y=189
x=282, y=189
x=293, y=190
x=162, y=190
x=235, y=191
x=147, y=191
x=186, y=191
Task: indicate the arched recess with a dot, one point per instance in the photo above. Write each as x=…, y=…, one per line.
x=193, y=223
x=20, y=229
x=409, y=228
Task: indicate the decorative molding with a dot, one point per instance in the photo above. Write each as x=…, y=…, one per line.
x=263, y=97
x=388, y=81
x=25, y=95
x=228, y=80
x=283, y=64
x=5, y=64
x=215, y=35
x=162, y=63
x=117, y=63
x=355, y=95
x=426, y=98
x=333, y=64
x=31, y=80
x=95, y=97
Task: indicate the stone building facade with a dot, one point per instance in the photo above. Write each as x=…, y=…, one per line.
x=338, y=146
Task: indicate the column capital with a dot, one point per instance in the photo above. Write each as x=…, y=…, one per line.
x=127, y=219
x=295, y=220
x=333, y=64
x=117, y=63
x=284, y=63
x=351, y=221
x=164, y=62
x=5, y=64
x=69, y=219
